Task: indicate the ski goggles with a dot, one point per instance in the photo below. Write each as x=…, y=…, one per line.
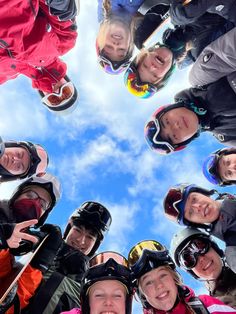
x=189, y=254
x=104, y=257
x=173, y=198
x=136, y=252
x=65, y=94
x=152, y=134
x=100, y=211
x=210, y=163
x=136, y=87
x=109, y=68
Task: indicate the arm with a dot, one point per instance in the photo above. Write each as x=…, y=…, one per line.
x=217, y=60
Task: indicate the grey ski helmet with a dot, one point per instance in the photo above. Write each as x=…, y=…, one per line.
x=92, y=215
x=38, y=160
x=46, y=181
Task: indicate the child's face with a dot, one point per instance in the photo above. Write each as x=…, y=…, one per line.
x=117, y=41
x=159, y=288
x=107, y=296
x=155, y=65
x=209, y=265
x=227, y=167
x=200, y=208
x=178, y=125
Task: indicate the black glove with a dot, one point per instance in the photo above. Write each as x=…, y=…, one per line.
x=65, y=10
x=6, y=230
x=46, y=254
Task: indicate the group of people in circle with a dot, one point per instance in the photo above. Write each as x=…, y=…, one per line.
x=66, y=275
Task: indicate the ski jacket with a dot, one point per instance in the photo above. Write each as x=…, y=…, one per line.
x=224, y=287
x=60, y=287
x=225, y=229
x=182, y=14
x=217, y=101
x=73, y=311
x=7, y=223
x=31, y=40
x=216, y=60
x=27, y=283
x=212, y=305
x=120, y=7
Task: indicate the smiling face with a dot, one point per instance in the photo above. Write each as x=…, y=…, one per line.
x=178, y=125
x=16, y=160
x=107, y=296
x=159, y=288
x=209, y=265
x=81, y=239
x=155, y=65
x=116, y=41
x=200, y=208
x=227, y=167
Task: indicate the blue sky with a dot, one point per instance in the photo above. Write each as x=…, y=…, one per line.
x=99, y=152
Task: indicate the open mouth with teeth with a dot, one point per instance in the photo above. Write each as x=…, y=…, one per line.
x=163, y=295
x=208, y=265
x=159, y=60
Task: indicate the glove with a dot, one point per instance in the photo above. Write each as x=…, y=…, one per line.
x=46, y=254
x=65, y=10
x=6, y=230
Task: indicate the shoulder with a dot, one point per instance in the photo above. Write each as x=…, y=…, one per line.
x=215, y=306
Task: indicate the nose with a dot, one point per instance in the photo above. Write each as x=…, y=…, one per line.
x=108, y=300
x=197, y=207
x=83, y=239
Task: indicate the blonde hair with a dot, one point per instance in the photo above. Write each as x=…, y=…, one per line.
x=179, y=283
x=105, y=24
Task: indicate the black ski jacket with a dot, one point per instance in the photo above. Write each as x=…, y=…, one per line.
x=219, y=100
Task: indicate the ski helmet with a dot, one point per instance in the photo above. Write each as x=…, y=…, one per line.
x=46, y=181
x=109, y=66
x=210, y=166
x=175, y=200
x=2, y=147
x=57, y=102
x=141, y=89
x=152, y=131
x=38, y=161
x=183, y=238
x=93, y=215
x=106, y=266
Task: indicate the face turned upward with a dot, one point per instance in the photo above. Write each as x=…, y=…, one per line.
x=117, y=41
x=81, y=239
x=209, y=265
x=155, y=64
x=159, y=288
x=178, y=125
x=107, y=296
x=227, y=167
x=200, y=208
x=16, y=160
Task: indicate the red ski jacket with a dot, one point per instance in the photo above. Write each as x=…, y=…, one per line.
x=31, y=41
x=28, y=282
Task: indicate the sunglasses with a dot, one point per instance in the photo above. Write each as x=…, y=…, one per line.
x=66, y=92
x=136, y=87
x=208, y=164
x=189, y=255
x=136, y=253
x=173, y=198
x=107, y=65
x=104, y=257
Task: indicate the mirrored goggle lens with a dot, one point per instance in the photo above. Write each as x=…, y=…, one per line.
x=65, y=93
x=173, y=197
x=136, y=252
x=188, y=256
x=142, y=90
x=92, y=207
x=102, y=258
x=208, y=164
x=108, y=66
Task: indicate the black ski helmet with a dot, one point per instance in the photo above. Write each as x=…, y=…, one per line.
x=93, y=215
x=183, y=237
x=210, y=166
x=2, y=147
x=38, y=160
x=46, y=181
x=112, y=267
